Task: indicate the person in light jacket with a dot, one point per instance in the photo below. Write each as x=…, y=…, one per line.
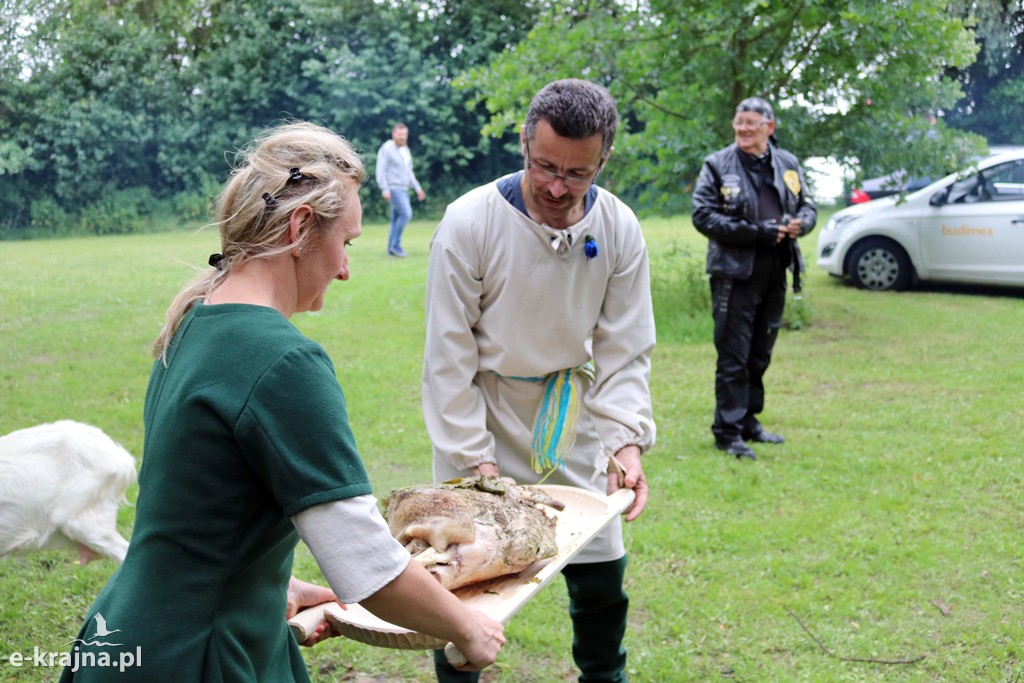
x=394, y=178
x=539, y=334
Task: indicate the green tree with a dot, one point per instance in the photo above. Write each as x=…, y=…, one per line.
x=95, y=89
x=396, y=62
x=15, y=65
x=994, y=84
x=853, y=80
x=105, y=97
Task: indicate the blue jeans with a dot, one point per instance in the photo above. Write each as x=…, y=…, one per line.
x=401, y=214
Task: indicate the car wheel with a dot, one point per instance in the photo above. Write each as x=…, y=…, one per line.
x=880, y=265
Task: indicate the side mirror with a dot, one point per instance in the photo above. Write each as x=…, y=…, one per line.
x=939, y=198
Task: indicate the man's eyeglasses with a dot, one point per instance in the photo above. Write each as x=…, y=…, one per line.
x=748, y=123
x=574, y=182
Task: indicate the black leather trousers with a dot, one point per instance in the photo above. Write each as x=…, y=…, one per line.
x=747, y=315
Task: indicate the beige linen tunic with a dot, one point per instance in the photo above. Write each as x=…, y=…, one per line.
x=504, y=305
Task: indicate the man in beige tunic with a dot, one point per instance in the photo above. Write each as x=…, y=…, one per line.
x=539, y=333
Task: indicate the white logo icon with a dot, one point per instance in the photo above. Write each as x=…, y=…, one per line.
x=101, y=632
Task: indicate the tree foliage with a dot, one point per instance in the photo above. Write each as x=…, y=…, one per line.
x=107, y=96
x=854, y=80
x=125, y=104
x=994, y=84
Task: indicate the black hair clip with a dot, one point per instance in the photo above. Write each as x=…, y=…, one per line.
x=269, y=199
x=294, y=175
x=216, y=260
x=590, y=247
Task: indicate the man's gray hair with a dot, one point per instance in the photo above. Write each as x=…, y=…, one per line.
x=575, y=109
x=757, y=105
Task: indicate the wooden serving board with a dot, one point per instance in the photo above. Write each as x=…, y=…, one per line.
x=585, y=515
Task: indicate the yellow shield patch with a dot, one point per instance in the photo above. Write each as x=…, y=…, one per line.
x=792, y=180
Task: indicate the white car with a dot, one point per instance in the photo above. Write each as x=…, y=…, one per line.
x=967, y=227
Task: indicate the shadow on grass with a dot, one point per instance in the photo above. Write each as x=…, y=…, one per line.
x=999, y=291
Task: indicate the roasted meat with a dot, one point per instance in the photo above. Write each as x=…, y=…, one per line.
x=468, y=530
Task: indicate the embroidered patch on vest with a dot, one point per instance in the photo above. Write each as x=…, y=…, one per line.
x=792, y=180
x=731, y=191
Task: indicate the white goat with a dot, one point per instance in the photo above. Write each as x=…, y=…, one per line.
x=60, y=486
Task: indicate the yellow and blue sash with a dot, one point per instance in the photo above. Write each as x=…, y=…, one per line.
x=554, y=431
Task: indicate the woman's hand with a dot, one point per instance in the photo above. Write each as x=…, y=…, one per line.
x=483, y=642
x=302, y=595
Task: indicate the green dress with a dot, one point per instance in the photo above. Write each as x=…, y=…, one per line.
x=244, y=428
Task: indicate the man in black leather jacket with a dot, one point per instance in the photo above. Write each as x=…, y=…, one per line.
x=751, y=203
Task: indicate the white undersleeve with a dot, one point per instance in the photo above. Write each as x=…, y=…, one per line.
x=352, y=545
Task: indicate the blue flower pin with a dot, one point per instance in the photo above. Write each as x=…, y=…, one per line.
x=590, y=247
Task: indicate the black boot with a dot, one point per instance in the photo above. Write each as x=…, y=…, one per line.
x=598, y=606
x=446, y=673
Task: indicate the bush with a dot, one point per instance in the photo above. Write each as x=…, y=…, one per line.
x=197, y=205
x=799, y=313
x=48, y=218
x=120, y=212
x=192, y=206
x=682, y=299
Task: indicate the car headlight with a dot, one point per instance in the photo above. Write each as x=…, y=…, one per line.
x=838, y=221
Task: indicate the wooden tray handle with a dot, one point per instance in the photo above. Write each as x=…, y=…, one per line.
x=305, y=623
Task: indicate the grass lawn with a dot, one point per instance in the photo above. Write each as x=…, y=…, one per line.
x=887, y=529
